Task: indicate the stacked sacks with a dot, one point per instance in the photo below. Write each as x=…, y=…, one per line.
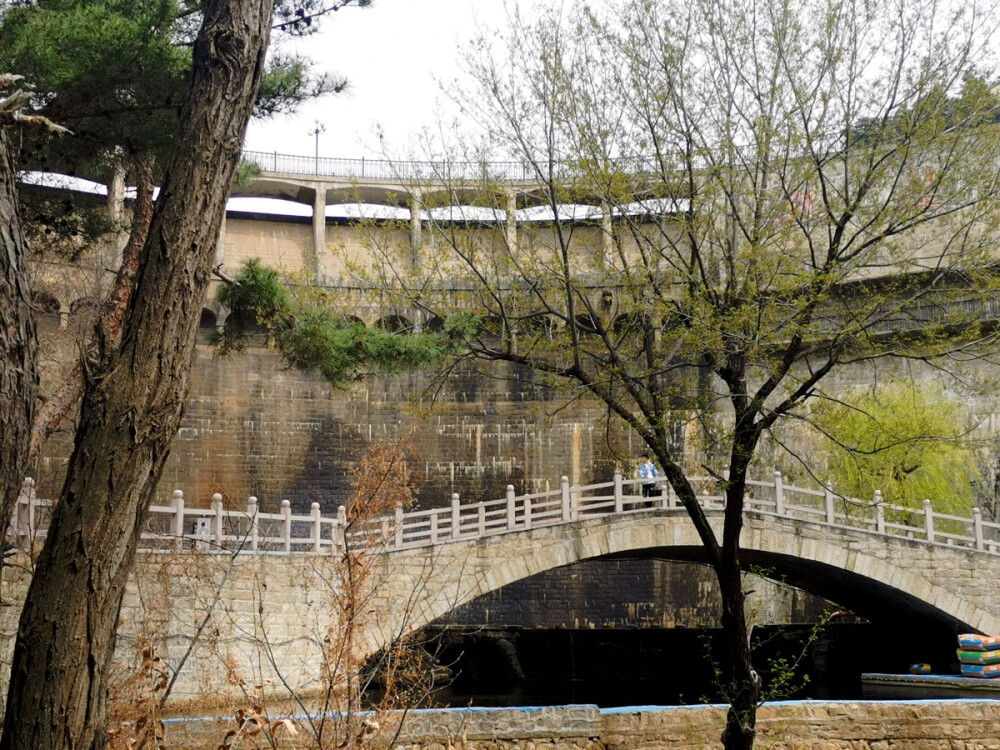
x=980, y=655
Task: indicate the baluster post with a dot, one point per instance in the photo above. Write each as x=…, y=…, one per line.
x=33, y=505
x=254, y=530
x=928, y=521
x=527, y=513
x=22, y=521
x=619, y=492
x=779, y=494
x=316, y=532
x=456, y=516
x=828, y=501
x=286, y=525
x=218, y=520
x=481, y=521
x=340, y=531
x=977, y=528
x=668, y=495
x=434, y=528
x=567, y=508
x=178, y=503
x=511, y=507
x=879, y=512
x=399, y=527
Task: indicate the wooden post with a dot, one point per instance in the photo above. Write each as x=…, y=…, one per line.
x=511, y=507
x=567, y=508
x=254, y=531
x=879, y=512
x=928, y=521
x=286, y=527
x=178, y=503
x=779, y=494
x=619, y=492
x=828, y=499
x=316, y=533
x=218, y=531
x=977, y=528
x=456, y=516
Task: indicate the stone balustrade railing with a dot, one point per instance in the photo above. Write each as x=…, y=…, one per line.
x=225, y=528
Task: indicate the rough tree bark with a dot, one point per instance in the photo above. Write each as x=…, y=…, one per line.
x=18, y=343
x=132, y=406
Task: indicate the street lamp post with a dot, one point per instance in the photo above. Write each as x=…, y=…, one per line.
x=318, y=128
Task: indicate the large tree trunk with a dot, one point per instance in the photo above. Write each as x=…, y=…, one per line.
x=743, y=684
x=18, y=344
x=132, y=407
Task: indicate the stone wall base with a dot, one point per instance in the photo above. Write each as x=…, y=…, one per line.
x=810, y=725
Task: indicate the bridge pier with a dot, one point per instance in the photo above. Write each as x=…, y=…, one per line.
x=416, y=225
x=510, y=227
x=315, y=264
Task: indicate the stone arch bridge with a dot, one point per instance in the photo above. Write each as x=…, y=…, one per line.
x=280, y=573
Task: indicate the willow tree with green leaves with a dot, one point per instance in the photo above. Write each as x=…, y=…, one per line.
x=907, y=442
x=779, y=190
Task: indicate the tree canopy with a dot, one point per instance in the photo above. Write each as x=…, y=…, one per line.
x=115, y=72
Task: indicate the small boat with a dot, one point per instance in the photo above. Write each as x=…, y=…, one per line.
x=927, y=686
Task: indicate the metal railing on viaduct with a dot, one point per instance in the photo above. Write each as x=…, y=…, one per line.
x=250, y=530
x=444, y=171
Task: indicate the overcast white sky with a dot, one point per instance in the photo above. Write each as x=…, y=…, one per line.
x=391, y=52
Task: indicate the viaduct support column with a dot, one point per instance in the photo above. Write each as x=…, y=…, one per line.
x=607, y=234
x=314, y=264
x=416, y=227
x=511, y=225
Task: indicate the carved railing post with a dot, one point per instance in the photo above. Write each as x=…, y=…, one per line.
x=456, y=516
x=779, y=494
x=511, y=507
x=178, y=520
x=286, y=525
x=928, y=521
x=619, y=492
x=217, y=530
x=316, y=526
x=340, y=531
x=567, y=506
x=254, y=529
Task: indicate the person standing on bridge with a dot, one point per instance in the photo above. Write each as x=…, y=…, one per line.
x=647, y=470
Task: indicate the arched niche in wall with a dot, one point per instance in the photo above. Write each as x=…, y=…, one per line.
x=207, y=331
x=395, y=324
x=587, y=324
x=434, y=324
